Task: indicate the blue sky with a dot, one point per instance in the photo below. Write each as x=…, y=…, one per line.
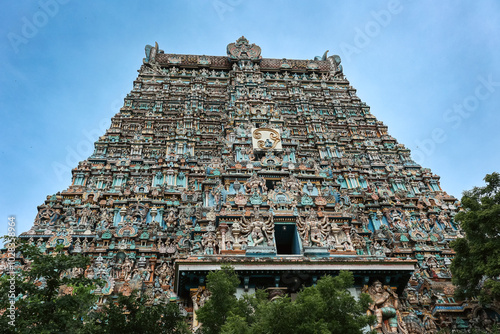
x=430, y=70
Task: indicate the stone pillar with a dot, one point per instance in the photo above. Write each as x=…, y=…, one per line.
x=223, y=229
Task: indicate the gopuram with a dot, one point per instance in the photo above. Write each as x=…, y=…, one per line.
x=274, y=166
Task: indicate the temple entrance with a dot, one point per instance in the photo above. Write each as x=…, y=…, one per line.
x=287, y=240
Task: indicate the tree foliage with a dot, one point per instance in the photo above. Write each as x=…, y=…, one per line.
x=51, y=296
x=327, y=307
x=54, y=296
x=476, y=266
x=222, y=284
x=132, y=314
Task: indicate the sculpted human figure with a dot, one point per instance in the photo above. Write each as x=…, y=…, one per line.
x=106, y=218
x=396, y=218
x=316, y=231
x=85, y=215
x=258, y=230
x=312, y=229
x=163, y=273
x=127, y=268
x=255, y=182
x=384, y=306
x=292, y=183
x=363, y=218
x=424, y=221
x=209, y=243
x=358, y=242
x=170, y=219
x=444, y=220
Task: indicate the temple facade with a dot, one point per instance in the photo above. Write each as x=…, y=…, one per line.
x=274, y=166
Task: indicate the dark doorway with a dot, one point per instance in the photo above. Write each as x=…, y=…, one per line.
x=287, y=241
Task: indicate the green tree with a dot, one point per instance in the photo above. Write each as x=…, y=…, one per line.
x=48, y=298
x=222, y=285
x=476, y=266
x=132, y=314
x=327, y=307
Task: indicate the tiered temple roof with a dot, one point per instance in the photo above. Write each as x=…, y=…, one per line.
x=273, y=165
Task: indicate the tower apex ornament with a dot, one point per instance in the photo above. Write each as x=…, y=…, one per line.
x=243, y=50
x=151, y=52
x=336, y=68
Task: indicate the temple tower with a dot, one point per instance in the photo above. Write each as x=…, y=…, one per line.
x=272, y=165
